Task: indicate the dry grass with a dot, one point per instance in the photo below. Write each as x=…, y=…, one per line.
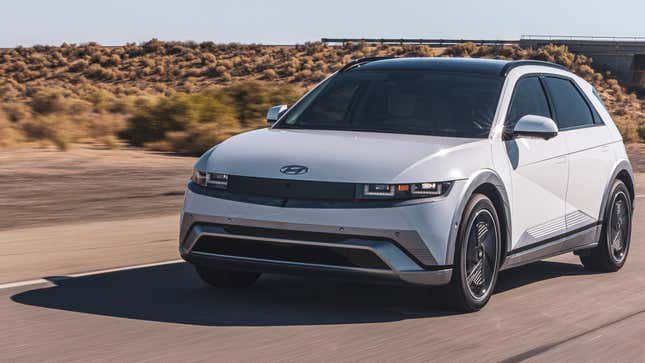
x=169, y=95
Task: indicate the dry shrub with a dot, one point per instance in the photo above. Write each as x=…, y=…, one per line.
x=226, y=77
x=190, y=123
x=270, y=74
x=97, y=72
x=9, y=133
x=586, y=72
x=461, y=50
x=100, y=100
x=193, y=141
x=305, y=74
x=318, y=76
x=78, y=82
x=48, y=101
x=16, y=111
x=208, y=58
x=112, y=61
x=100, y=126
x=620, y=111
x=122, y=105
x=110, y=141
x=252, y=99
x=641, y=128
x=78, y=66
x=60, y=131
x=628, y=129
x=152, y=120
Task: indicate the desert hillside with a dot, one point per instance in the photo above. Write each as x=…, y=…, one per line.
x=184, y=96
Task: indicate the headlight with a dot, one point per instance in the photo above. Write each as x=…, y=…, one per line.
x=207, y=179
x=403, y=191
x=200, y=177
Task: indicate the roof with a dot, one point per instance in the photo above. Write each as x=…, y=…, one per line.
x=461, y=65
x=458, y=65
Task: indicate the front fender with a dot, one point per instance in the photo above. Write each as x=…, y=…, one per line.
x=492, y=181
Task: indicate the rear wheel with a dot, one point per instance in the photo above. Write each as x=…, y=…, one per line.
x=227, y=279
x=477, y=255
x=613, y=247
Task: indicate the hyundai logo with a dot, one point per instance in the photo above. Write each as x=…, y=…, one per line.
x=294, y=169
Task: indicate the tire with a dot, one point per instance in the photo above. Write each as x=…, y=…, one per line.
x=615, y=237
x=477, y=256
x=227, y=279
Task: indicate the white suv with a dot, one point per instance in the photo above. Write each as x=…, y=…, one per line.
x=431, y=171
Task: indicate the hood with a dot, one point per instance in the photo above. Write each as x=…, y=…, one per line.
x=345, y=156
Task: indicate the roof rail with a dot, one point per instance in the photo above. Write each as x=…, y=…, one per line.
x=359, y=61
x=528, y=62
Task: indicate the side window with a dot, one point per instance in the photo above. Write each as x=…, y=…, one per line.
x=528, y=99
x=571, y=109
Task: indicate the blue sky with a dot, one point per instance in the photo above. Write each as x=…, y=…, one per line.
x=114, y=22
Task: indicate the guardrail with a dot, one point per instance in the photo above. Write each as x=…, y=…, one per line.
x=527, y=37
x=582, y=37
x=419, y=41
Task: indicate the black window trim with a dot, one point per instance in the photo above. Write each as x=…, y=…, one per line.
x=595, y=115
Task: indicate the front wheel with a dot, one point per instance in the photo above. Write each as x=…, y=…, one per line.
x=477, y=255
x=227, y=279
x=611, y=253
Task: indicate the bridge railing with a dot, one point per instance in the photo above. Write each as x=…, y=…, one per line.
x=433, y=42
x=447, y=42
x=581, y=37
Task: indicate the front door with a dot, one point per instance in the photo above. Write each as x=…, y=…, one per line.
x=539, y=171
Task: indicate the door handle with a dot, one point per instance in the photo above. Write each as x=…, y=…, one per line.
x=561, y=160
x=604, y=148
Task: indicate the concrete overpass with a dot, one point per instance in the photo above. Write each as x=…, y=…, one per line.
x=623, y=56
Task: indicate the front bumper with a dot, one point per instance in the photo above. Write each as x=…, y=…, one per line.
x=362, y=257
x=408, y=243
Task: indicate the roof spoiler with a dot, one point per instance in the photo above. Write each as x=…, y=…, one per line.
x=360, y=61
x=528, y=62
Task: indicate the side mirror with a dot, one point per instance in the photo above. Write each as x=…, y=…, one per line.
x=275, y=112
x=535, y=126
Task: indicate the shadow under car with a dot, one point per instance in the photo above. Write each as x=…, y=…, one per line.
x=173, y=293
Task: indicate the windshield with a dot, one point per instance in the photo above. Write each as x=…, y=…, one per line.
x=427, y=103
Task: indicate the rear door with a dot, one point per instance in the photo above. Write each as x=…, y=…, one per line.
x=587, y=142
x=539, y=171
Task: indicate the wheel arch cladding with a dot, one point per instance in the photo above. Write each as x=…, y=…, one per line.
x=623, y=172
x=626, y=178
x=486, y=182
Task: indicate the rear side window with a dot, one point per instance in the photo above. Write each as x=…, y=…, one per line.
x=528, y=99
x=571, y=109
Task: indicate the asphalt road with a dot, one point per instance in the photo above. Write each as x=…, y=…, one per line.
x=547, y=311
x=31, y=253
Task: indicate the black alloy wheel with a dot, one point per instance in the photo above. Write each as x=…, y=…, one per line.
x=611, y=253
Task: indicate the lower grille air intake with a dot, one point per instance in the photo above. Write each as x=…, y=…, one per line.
x=321, y=255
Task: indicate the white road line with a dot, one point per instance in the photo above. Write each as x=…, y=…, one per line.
x=640, y=196
x=82, y=274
